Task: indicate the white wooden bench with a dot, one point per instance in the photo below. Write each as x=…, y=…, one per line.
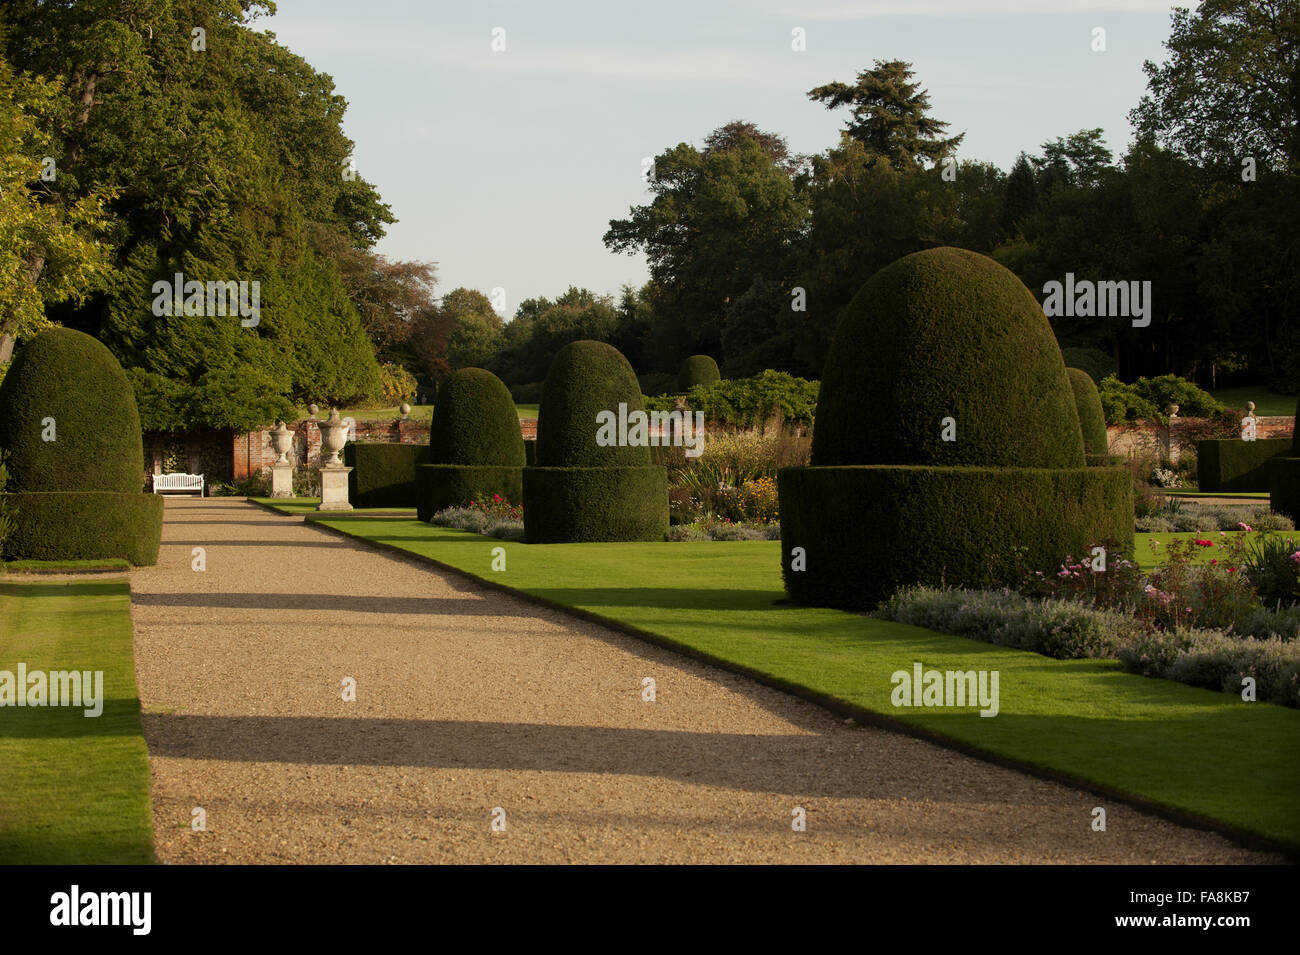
x=178, y=482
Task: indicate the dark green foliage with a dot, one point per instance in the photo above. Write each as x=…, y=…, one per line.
x=1236, y=465
x=474, y=422
x=1094, y=361
x=70, y=377
x=1150, y=398
x=438, y=486
x=84, y=525
x=580, y=491
x=383, y=475
x=527, y=394
x=1284, y=486
x=586, y=378
x=656, y=383
x=936, y=525
x=595, y=504
x=960, y=337
x=530, y=453
x=748, y=402
x=1092, y=421
x=697, y=370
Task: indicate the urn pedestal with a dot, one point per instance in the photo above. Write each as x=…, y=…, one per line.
x=282, y=469
x=333, y=473
x=334, y=489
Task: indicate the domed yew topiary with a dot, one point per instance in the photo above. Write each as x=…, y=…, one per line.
x=949, y=334
x=1092, y=420
x=71, y=433
x=947, y=446
x=697, y=370
x=74, y=383
x=475, y=446
x=1284, y=478
x=587, y=487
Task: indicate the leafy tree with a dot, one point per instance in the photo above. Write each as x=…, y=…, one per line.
x=717, y=218
x=1231, y=86
x=1076, y=160
x=890, y=115
x=50, y=251
x=226, y=164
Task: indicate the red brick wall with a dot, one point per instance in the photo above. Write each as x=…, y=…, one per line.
x=252, y=452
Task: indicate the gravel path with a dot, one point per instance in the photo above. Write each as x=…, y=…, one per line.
x=470, y=701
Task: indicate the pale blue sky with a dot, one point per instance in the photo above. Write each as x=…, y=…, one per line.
x=506, y=167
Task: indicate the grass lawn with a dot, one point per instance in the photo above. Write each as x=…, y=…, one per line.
x=73, y=789
x=1202, y=752
x=65, y=566
x=418, y=413
x=1266, y=402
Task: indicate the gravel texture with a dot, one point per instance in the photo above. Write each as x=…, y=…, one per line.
x=469, y=701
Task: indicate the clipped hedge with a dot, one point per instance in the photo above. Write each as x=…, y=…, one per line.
x=476, y=448
x=71, y=378
x=1092, y=420
x=697, y=370
x=439, y=486
x=383, y=474
x=937, y=525
x=586, y=378
x=579, y=490
x=474, y=422
x=595, y=504
x=84, y=525
x=1236, y=465
x=937, y=334
x=1284, y=486
x=1096, y=363
x=530, y=453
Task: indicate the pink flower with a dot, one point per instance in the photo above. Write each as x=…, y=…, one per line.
x=1244, y=527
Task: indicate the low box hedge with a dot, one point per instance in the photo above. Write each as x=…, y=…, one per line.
x=595, y=504
x=84, y=525
x=438, y=486
x=383, y=475
x=1235, y=465
x=1103, y=460
x=1284, y=486
x=867, y=530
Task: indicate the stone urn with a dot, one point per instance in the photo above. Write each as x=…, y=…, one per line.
x=333, y=435
x=281, y=442
x=1250, y=409
x=312, y=410
x=405, y=409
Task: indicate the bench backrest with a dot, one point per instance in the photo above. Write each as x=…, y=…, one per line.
x=177, y=482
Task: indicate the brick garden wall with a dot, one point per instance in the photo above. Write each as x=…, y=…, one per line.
x=1152, y=439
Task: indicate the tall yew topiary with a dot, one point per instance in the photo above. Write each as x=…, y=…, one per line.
x=1092, y=420
x=71, y=432
x=475, y=446
x=947, y=446
x=581, y=490
x=697, y=370
x=1284, y=477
